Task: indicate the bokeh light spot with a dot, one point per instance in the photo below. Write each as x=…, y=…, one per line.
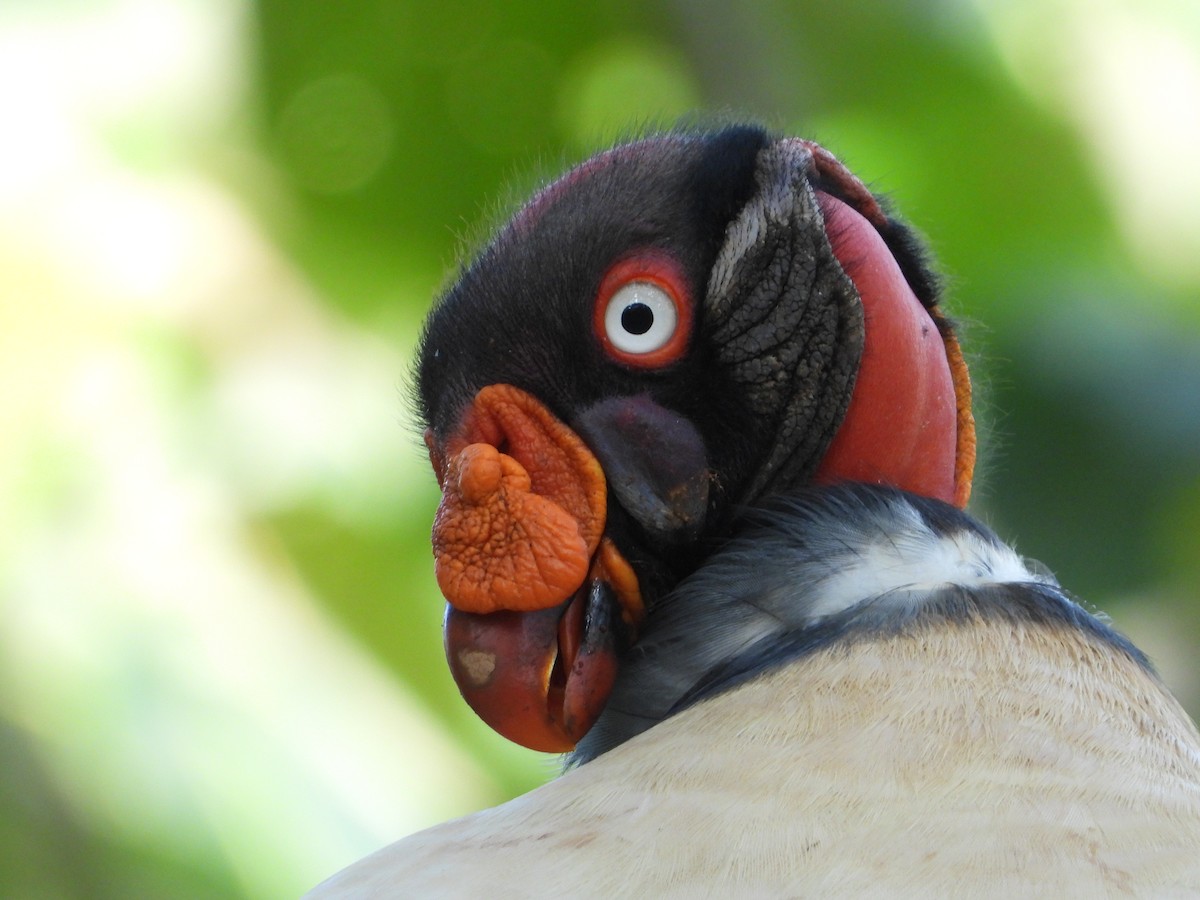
x=336, y=133
x=619, y=84
x=1126, y=77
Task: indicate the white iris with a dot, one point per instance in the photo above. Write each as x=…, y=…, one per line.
x=640, y=318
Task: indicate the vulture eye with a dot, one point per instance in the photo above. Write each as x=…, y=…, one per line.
x=640, y=318
x=643, y=313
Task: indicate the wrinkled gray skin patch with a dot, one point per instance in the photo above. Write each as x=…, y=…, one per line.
x=788, y=321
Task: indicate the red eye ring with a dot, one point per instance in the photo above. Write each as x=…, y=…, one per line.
x=654, y=282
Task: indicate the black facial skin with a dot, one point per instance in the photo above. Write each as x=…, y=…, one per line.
x=768, y=372
x=522, y=311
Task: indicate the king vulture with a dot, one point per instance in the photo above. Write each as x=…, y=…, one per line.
x=704, y=438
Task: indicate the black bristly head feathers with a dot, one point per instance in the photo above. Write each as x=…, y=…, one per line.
x=757, y=260
x=521, y=312
x=704, y=440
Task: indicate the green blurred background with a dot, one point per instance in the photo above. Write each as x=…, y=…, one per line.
x=220, y=226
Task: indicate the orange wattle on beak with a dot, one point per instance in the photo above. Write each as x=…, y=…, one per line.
x=541, y=603
x=539, y=600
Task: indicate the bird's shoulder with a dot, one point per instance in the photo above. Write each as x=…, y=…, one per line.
x=1026, y=758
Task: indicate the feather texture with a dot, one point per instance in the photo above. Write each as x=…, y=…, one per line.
x=990, y=734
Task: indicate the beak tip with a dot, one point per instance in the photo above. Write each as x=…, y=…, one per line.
x=542, y=678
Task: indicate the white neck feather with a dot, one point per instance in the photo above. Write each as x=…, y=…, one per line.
x=903, y=568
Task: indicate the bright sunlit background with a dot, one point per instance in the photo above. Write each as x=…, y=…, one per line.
x=221, y=223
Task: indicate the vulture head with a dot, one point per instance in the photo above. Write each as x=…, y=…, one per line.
x=672, y=334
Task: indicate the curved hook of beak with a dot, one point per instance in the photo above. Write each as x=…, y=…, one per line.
x=538, y=678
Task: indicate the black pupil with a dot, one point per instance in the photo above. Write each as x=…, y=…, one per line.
x=637, y=318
